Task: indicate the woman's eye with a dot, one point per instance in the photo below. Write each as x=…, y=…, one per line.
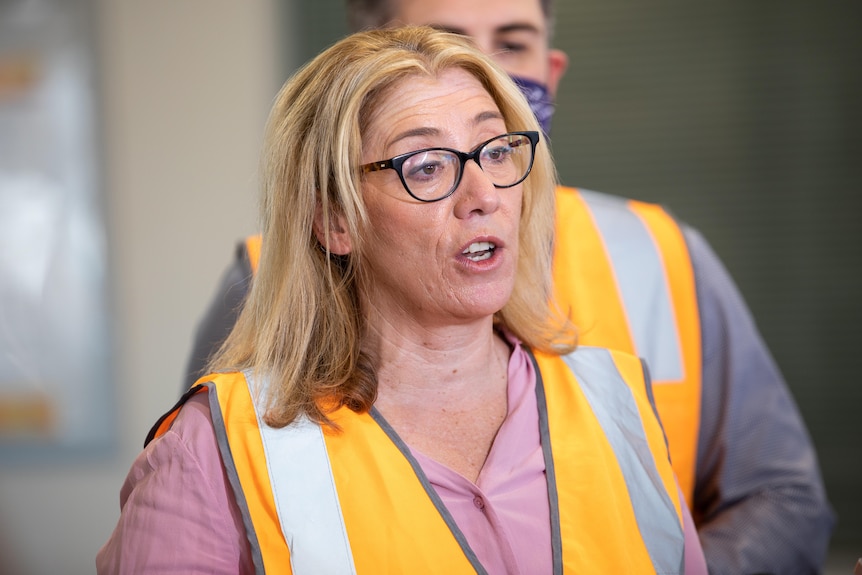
x=498, y=154
x=423, y=170
x=425, y=166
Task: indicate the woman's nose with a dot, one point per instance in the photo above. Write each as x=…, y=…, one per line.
x=476, y=193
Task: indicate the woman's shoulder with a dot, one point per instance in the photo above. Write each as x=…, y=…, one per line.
x=186, y=452
x=177, y=498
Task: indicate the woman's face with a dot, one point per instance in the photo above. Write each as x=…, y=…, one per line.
x=449, y=261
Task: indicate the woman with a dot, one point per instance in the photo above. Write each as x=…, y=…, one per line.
x=396, y=395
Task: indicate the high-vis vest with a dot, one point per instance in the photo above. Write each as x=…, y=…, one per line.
x=318, y=501
x=623, y=273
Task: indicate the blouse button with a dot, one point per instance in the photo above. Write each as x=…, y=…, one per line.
x=479, y=502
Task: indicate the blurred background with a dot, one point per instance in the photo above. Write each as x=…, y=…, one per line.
x=129, y=137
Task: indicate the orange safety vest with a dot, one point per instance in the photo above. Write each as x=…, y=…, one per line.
x=320, y=501
x=623, y=273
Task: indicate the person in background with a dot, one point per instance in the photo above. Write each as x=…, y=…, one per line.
x=632, y=278
x=397, y=396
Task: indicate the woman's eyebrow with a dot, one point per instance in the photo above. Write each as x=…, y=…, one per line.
x=488, y=115
x=422, y=131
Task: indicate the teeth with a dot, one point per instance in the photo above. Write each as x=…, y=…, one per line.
x=479, y=251
x=479, y=247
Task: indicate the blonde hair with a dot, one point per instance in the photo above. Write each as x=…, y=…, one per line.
x=302, y=324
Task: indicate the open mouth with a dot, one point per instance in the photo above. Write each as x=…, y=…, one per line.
x=479, y=251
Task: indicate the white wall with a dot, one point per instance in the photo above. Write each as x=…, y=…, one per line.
x=185, y=89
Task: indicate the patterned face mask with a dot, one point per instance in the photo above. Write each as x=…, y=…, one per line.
x=540, y=101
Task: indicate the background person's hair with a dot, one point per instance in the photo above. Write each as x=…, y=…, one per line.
x=302, y=324
x=371, y=14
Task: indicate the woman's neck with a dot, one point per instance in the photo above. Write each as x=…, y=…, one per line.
x=420, y=359
x=444, y=391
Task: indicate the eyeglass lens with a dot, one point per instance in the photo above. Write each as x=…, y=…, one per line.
x=432, y=174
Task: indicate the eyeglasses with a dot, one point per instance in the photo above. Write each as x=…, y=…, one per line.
x=432, y=174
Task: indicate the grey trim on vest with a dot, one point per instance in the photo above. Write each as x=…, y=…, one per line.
x=639, y=271
x=652, y=404
x=550, y=473
x=233, y=476
x=429, y=489
x=615, y=409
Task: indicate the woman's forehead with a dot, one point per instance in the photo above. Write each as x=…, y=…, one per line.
x=418, y=102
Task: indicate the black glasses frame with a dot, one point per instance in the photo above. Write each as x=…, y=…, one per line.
x=397, y=162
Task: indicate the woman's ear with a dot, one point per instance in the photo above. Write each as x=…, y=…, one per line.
x=336, y=238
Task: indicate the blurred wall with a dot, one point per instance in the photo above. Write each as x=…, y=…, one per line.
x=184, y=90
x=744, y=119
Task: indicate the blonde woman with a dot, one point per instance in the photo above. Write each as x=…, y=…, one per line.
x=396, y=396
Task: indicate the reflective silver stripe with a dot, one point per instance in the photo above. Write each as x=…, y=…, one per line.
x=614, y=406
x=305, y=497
x=643, y=286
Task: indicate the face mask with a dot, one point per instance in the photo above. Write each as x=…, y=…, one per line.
x=540, y=101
